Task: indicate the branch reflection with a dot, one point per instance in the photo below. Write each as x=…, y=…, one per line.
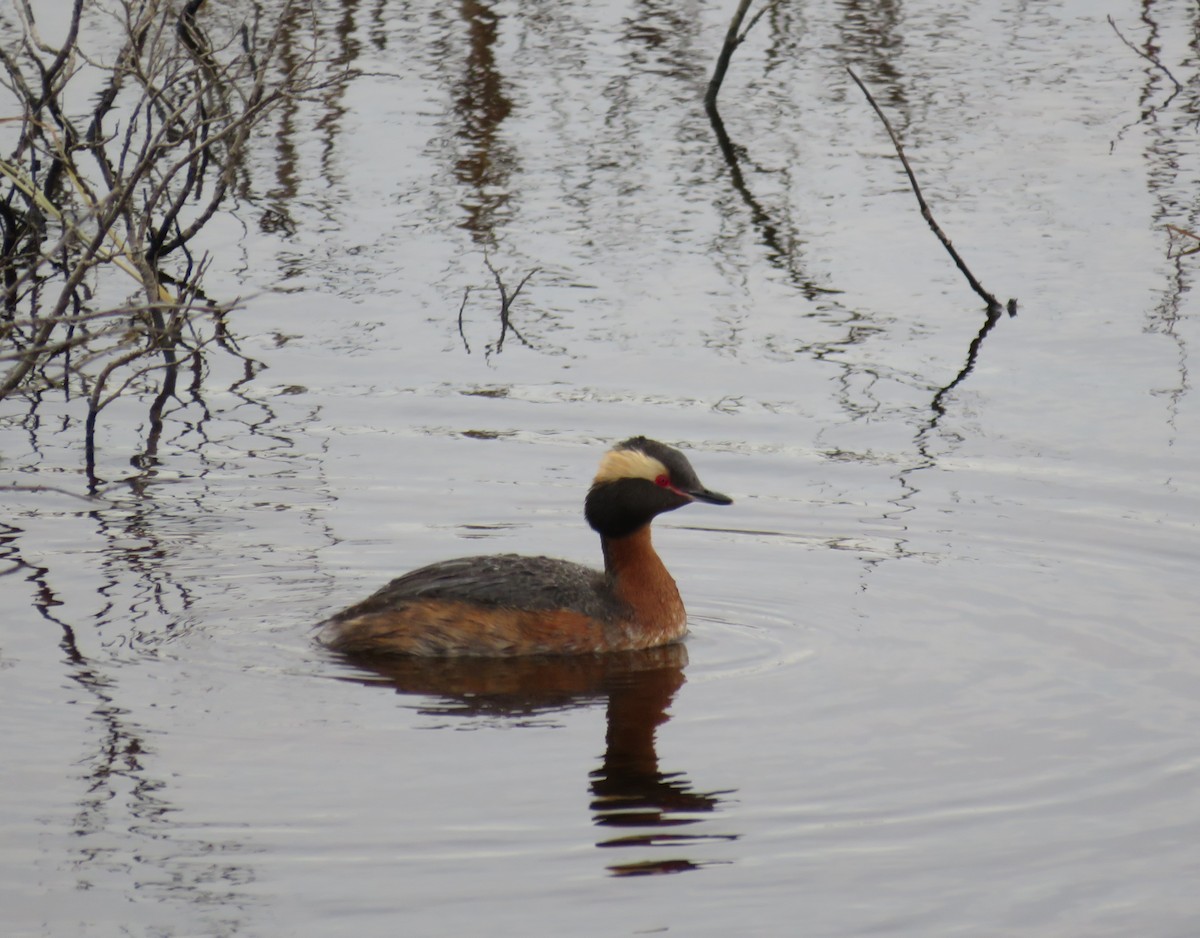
x=630, y=792
x=124, y=821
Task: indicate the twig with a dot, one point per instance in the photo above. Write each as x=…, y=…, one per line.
x=1145, y=55
x=463, y=305
x=992, y=302
x=189, y=105
x=733, y=39
x=1177, y=232
x=506, y=302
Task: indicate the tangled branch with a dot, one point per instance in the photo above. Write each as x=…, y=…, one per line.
x=127, y=186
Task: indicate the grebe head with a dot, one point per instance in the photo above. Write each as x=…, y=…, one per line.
x=639, y=479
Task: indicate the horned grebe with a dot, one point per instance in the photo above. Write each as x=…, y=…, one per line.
x=507, y=604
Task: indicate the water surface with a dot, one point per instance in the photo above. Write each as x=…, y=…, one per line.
x=943, y=675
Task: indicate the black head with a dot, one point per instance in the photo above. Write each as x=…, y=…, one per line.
x=639, y=479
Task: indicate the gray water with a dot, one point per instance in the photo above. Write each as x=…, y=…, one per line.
x=943, y=676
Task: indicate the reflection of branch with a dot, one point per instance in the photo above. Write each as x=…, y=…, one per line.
x=779, y=253
x=121, y=817
x=907, y=476
x=992, y=303
x=757, y=213
x=461, y=306
x=938, y=403
x=506, y=302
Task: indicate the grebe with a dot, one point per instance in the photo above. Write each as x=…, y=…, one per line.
x=506, y=604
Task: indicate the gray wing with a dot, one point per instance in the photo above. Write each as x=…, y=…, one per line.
x=500, y=580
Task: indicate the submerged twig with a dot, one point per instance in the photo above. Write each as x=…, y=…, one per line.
x=992, y=302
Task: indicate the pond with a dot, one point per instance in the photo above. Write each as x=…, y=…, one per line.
x=943, y=674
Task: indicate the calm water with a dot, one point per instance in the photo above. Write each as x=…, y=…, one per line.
x=944, y=676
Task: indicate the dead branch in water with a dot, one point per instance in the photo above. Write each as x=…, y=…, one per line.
x=461, y=306
x=123, y=187
x=992, y=303
x=1145, y=55
x=1182, y=236
x=734, y=37
x=506, y=302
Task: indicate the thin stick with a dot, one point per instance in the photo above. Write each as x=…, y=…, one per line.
x=992, y=303
x=1145, y=55
x=462, y=335
x=733, y=39
x=506, y=302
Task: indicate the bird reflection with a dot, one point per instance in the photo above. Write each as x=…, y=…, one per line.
x=630, y=792
x=632, y=798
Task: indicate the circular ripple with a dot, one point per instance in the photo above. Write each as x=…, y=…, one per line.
x=734, y=641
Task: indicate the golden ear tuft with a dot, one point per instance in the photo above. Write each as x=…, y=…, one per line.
x=628, y=464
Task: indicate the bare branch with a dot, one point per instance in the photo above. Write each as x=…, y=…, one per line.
x=80, y=195
x=461, y=306
x=1145, y=55
x=992, y=303
x=506, y=302
x=734, y=37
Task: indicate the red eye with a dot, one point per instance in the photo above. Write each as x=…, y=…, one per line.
x=663, y=481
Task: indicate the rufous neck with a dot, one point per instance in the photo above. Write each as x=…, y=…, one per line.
x=641, y=581
x=629, y=554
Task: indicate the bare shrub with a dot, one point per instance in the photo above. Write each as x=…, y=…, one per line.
x=124, y=182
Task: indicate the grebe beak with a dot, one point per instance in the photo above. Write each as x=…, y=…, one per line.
x=713, y=498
